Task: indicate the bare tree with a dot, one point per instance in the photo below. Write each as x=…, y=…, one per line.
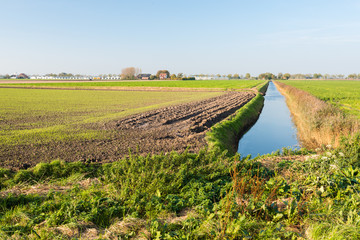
x=130, y=72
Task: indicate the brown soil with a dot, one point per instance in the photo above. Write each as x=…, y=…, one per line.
x=175, y=128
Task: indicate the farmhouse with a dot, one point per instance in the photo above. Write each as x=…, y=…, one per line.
x=144, y=76
x=22, y=76
x=163, y=75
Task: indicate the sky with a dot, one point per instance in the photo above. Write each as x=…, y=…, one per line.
x=183, y=36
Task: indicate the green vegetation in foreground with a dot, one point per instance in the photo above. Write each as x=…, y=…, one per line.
x=187, y=196
x=222, y=84
x=40, y=115
x=344, y=94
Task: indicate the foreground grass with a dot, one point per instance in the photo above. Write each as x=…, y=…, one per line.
x=221, y=84
x=40, y=115
x=187, y=196
x=343, y=94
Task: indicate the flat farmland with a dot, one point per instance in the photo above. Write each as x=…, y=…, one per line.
x=40, y=125
x=343, y=94
x=34, y=115
x=203, y=84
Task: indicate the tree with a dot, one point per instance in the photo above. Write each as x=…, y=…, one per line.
x=280, y=76
x=152, y=77
x=352, y=76
x=267, y=76
x=247, y=76
x=63, y=74
x=287, y=76
x=236, y=76
x=162, y=71
x=51, y=75
x=128, y=73
x=317, y=75
x=229, y=76
x=180, y=75
x=218, y=75
x=173, y=77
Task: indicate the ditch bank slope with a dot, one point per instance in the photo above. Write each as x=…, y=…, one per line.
x=318, y=122
x=225, y=135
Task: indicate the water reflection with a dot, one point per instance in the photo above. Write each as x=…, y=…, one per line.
x=274, y=128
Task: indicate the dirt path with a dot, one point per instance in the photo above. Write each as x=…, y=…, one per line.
x=163, y=130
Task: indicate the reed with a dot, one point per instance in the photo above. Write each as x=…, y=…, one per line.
x=318, y=122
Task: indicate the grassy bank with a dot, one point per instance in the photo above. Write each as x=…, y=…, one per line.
x=318, y=122
x=186, y=196
x=226, y=134
x=261, y=88
x=343, y=94
x=139, y=197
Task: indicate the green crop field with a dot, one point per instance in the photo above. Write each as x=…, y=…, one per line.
x=32, y=115
x=222, y=84
x=344, y=94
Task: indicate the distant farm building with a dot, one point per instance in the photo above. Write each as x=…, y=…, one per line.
x=206, y=78
x=22, y=76
x=163, y=75
x=144, y=76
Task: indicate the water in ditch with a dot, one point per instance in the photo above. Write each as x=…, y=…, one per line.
x=273, y=130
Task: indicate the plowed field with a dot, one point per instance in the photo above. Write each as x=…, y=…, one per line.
x=163, y=130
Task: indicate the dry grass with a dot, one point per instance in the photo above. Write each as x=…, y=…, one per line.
x=318, y=122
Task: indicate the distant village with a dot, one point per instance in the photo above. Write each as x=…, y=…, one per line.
x=135, y=74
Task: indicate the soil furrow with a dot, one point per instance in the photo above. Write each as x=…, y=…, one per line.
x=176, y=128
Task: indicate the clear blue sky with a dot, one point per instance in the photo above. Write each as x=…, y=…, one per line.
x=197, y=36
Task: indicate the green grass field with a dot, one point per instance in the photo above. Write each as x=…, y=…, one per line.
x=344, y=94
x=32, y=115
x=222, y=84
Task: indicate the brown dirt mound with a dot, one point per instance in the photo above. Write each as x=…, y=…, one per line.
x=175, y=128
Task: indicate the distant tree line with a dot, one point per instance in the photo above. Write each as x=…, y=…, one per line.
x=286, y=76
x=132, y=73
